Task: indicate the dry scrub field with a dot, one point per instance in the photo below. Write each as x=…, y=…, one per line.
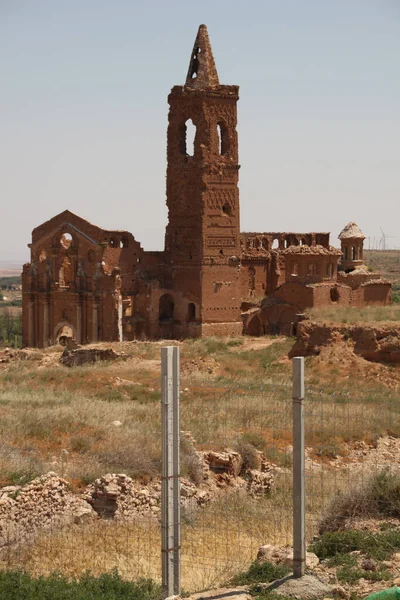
x=236, y=393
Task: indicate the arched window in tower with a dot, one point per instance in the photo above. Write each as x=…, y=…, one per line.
x=353, y=253
x=187, y=138
x=223, y=138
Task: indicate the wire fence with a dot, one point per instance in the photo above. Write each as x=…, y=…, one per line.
x=236, y=463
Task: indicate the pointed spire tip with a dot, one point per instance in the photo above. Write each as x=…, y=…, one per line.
x=202, y=71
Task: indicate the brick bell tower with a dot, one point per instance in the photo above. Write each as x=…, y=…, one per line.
x=202, y=244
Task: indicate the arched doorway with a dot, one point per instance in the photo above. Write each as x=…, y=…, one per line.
x=254, y=327
x=166, y=307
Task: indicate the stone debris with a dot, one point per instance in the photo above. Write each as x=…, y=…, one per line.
x=229, y=462
x=83, y=356
x=120, y=497
x=9, y=354
x=374, y=344
x=44, y=503
x=284, y=555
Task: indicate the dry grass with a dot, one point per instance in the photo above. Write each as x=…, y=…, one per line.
x=217, y=543
x=369, y=315
x=234, y=393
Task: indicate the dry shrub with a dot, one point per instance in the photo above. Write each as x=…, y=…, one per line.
x=378, y=497
x=191, y=462
x=250, y=455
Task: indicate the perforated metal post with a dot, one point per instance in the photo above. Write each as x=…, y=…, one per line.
x=299, y=527
x=170, y=474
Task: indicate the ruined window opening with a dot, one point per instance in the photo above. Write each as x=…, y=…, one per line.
x=330, y=270
x=295, y=269
x=265, y=243
x=227, y=209
x=191, y=311
x=65, y=273
x=354, y=253
x=42, y=256
x=252, y=280
x=275, y=244
x=346, y=253
x=286, y=243
x=223, y=138
x=312, y=269
x=66, y=240
x=166, y=308
x=187, y=138
x=334, y=294
x=195, y=63
x=113, y=243
x=125, y=242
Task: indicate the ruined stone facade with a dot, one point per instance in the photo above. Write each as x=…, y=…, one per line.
x=93, y=284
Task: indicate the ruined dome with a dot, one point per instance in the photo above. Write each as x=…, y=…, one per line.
x=351, y=232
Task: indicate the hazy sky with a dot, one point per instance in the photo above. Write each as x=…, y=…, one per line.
x=83, y=111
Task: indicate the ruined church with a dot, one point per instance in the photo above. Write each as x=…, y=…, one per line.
x=93, y=284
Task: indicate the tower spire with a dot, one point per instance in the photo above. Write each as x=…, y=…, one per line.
x=202, y=71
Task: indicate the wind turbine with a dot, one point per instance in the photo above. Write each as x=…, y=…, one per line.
x=383, y=239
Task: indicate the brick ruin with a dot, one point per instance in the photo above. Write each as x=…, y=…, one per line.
x=94, y=284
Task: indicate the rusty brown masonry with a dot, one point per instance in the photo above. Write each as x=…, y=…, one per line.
x=94, y=284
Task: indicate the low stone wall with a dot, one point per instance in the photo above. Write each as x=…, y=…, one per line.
x=44, y=503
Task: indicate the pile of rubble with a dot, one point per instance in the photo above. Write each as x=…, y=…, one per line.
x=9, y=354
x=120, y=497
x=229, y=469
x=75, y=357
x=44, y=503
x=47, y=502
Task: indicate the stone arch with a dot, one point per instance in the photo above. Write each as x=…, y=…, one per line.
x=64, y=329
x=166, y=308
x=334, y=294
x=223, y=138
x=66, y=240
x=187, y=137
x=254, y=326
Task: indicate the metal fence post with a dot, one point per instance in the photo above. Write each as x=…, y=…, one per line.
x=299, y=533
x=170, y=473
